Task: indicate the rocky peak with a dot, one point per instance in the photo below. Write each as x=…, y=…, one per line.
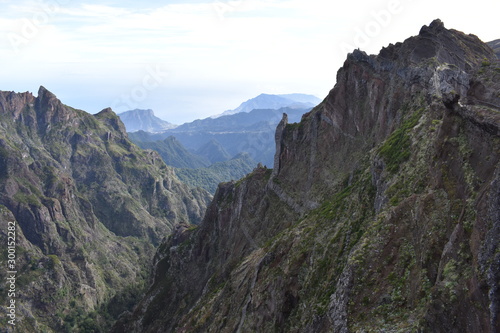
x=109, y=117
x=147, y=112
x=45, y=94
x=436, y=43
x=144, y=120
x=436, y=27
x=14, y=103
x=365, y=105
x=49, y=110
x=278, y=138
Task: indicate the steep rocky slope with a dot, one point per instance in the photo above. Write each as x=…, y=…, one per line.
x=382, y=212
x=89, y=206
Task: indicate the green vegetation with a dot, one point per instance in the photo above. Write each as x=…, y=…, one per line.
x=485, y=63
x=54, y=261
x=293, y=126
x=396, y=149
x=29, y=199
x=209, y=178
x=83, y=322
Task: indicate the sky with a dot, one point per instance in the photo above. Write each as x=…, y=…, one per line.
x=193, y=59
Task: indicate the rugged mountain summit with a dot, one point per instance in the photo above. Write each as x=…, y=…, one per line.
x=89, y=207
x=382, y=212
x=144, y=120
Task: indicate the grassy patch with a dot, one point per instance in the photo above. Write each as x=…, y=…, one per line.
x=28, y=199
x=396, y=149
x=54, y=261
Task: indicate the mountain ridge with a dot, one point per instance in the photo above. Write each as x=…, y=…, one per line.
x=382, y=211
x=77, y=189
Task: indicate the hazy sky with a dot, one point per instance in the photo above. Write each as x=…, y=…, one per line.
x=192, y=59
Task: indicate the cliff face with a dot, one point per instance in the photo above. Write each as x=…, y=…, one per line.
x=89, y=207
x=382, y=211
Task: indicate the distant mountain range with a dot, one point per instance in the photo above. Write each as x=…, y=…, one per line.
x=267, y=101
x=218, y=149
x=251, y=132
x=144, y=120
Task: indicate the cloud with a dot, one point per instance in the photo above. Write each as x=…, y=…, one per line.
x=220, y=47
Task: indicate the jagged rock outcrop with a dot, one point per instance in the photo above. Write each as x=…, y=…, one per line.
x=381, y=213
x=89, y=207
x=279, y=144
